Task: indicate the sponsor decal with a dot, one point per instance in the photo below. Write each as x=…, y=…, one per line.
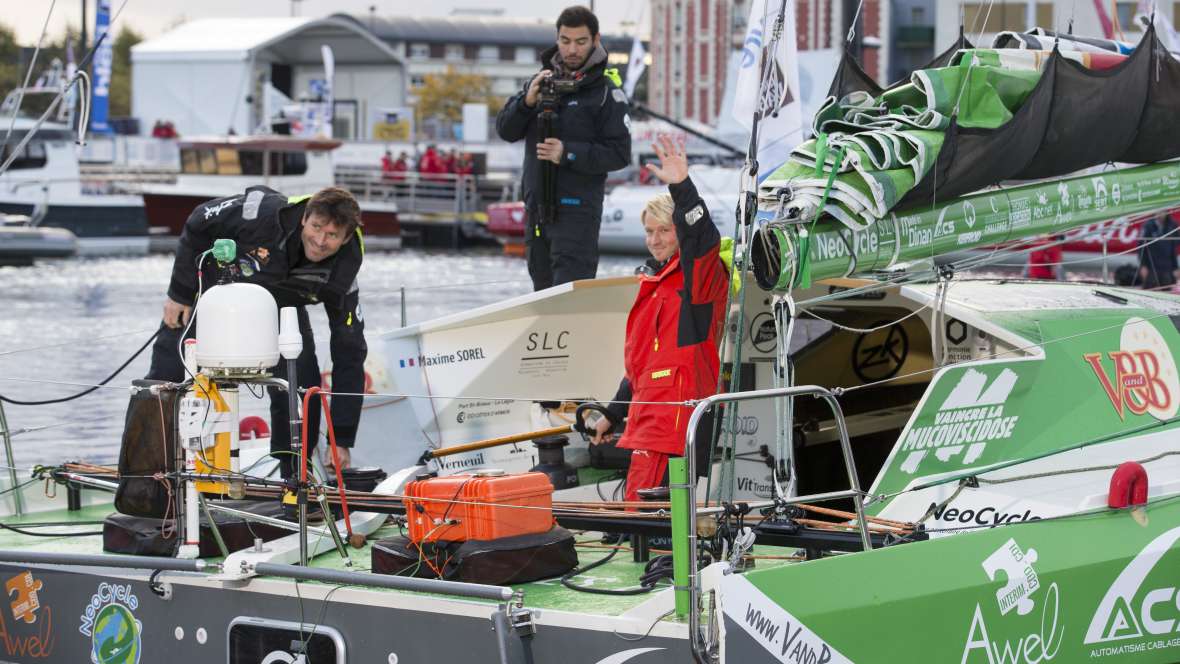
x=23, y=589
x=1022, y=578
x=1100, y=197
x=1144, y=379
x=1019, y=213
x=830, y=246
x=546, y=352
x=547, y=341
x=1013, y=566
x=461, y=461
x=694, y=215
x=437, y=359
x=745, y=425
x=774, y=628
x=26, y=610
x=471, y=411
x=754, y=486
x=982, y=516
x=109, y=620
x=763, y=335
x=879, y=355
x=971, y=416
x=1137, y=616
x=214, y=210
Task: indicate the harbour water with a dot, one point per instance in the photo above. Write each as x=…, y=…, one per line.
x=66, y=325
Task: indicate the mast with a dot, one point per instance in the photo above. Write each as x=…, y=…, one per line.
x=793, y=255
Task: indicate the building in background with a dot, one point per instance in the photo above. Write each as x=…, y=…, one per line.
x=216, y=76
x=504, y=50
x=913, y=38
x=1091, y=19
x=693, y=41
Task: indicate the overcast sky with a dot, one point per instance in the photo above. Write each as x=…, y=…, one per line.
x=151, y=17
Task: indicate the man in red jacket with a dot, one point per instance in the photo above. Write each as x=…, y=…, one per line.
x=670, y=354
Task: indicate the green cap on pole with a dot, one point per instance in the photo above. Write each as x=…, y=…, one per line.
x=225, y=251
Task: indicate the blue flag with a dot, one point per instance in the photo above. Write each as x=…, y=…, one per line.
x=101, y=76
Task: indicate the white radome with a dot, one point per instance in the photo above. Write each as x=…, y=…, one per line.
x=237, y=330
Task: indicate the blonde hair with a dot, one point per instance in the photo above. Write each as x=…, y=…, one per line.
x=660, y=207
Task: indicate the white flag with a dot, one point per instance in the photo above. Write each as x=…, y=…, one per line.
x=635, y=66
x=329, y=83
x=776, y=101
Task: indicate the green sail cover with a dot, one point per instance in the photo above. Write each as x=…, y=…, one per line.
x=890, y=142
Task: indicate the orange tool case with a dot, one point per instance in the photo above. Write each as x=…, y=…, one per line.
x=478, y=506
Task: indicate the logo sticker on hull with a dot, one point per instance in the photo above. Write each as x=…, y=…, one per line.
x=1142, y=379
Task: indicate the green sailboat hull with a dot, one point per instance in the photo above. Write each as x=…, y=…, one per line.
x=1099, y=586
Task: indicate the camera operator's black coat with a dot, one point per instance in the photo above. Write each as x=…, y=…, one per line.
x=595, y=132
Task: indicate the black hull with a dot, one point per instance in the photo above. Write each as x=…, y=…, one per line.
x=90, y=221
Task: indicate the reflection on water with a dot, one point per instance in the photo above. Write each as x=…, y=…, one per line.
x=101, y=310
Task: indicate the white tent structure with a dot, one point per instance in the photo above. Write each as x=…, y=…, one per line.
x=209, y=76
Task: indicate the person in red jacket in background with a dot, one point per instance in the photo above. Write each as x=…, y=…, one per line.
x=1044, y=262
x=670, y=354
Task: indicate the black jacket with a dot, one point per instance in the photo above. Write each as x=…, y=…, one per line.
x=1157, y=252
x=595, y=131
x=266, y=226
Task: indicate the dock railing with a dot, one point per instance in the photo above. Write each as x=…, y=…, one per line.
x=452, y=195
x=700, y=649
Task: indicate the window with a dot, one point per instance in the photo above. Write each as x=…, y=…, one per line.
x=1003, y=17
x=454, y=53
x=420, y=51
x=250, y=162
x=31, y=156
x=488, y=54
x=417, y=81
x=1126, y=15
x=288, y=163
x=227, y=161
x=525, y=55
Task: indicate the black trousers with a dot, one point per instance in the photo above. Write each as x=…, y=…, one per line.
x=565, y=251
x=167, y=365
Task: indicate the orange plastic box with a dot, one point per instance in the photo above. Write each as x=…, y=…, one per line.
x=485, y=506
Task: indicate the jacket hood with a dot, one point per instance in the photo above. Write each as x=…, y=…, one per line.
x=589, y=72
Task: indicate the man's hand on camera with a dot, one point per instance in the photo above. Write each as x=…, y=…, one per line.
x=550, y=150
x=530, y=97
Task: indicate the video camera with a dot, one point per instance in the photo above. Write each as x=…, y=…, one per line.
x=553, y=88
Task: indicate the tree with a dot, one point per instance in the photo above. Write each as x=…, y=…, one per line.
x=442, y=96
x=120, y=94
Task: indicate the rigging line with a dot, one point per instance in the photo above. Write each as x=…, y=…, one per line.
x=24, y=430
x=20, y=95
x=869, y=330
x=1071, y=471
x=73, y=342
x=1012, y=351
x=852, y=26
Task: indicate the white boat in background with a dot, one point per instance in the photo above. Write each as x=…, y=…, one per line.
x=22, y=242
x=45, y=183
x=622, y=231
x=218, y=166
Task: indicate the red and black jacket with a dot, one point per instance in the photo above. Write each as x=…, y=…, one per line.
x=670, y=354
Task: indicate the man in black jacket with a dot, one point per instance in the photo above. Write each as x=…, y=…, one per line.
x=303, y=250
x=1157, y=253
x=592, y=137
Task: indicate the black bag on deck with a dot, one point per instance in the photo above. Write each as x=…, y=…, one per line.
x=144, y=536
x=499, y=562
x=149, y=447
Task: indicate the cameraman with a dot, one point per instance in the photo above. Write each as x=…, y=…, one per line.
x=589, y=138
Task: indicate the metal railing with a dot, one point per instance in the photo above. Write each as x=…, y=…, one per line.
x=696, y=639
x=450, y=194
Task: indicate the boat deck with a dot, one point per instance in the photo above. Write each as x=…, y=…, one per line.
x=83, y=534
